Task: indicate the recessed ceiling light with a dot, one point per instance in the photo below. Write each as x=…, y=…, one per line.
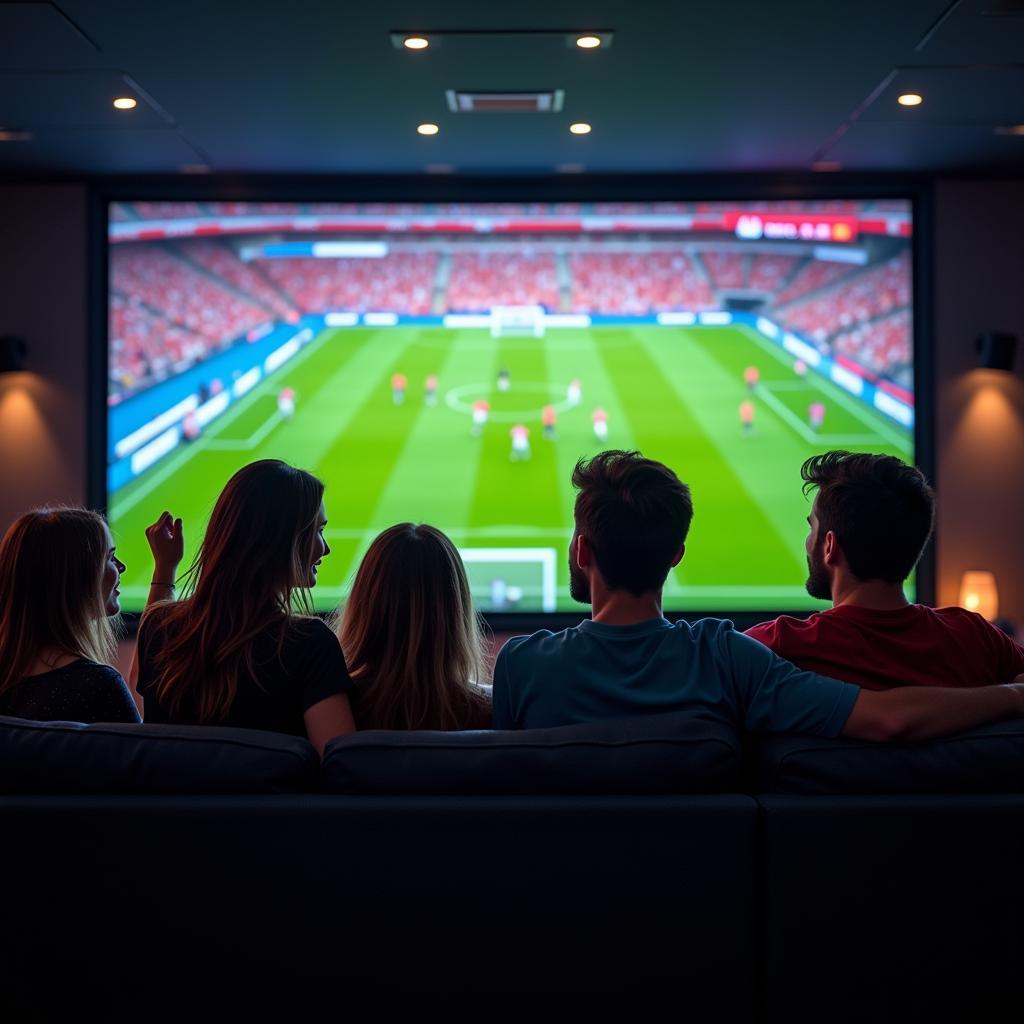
x=910, y=99
x=125, y=102
x=427, y=129
x=580, y=128
x=415, y=42
x=588, y=42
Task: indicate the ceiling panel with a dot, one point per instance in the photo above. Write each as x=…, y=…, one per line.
x=38, y=35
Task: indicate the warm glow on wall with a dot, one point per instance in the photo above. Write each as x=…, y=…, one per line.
x=979, y=593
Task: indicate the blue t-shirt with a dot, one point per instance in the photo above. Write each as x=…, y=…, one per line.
x=594, y=671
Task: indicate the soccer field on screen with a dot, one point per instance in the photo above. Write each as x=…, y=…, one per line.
x=673, y=393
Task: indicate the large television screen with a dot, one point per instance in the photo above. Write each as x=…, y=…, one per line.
x=449, y=363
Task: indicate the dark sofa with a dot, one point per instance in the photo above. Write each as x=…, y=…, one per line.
x=657, y=867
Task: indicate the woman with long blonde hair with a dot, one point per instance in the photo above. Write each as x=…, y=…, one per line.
x=59, y=588
x=411, y=638
x=242, y=648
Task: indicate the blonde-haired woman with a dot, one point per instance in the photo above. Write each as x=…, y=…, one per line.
x=59, y=587
x=411, y=638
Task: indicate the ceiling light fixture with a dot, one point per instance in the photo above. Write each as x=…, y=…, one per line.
x=125, y=102
x=588, y=42
x=427, y=129
x=580, y=128
x=910, y=99
x=415, y=42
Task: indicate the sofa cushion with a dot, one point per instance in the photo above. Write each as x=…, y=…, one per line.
x=989, y=759
x=69, y=757
x=673, y=753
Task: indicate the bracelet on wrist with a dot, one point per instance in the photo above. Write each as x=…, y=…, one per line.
x=160, y=583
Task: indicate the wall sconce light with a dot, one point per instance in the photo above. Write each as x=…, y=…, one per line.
x=12, y=353
x=978, y=593
x=997, y=351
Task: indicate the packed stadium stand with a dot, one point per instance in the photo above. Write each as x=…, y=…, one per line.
x=814, y=274
x=869, y=294
x=724, y=268
x=222, y=261
x=480, y=280
x=882, y=346
x=174, y=302
x=402, y=282
x=768, y=271
x=145, y=347
x=163, y=211
x=637, y=283
x=181, y=293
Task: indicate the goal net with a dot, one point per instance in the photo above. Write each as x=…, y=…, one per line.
x=517, y=321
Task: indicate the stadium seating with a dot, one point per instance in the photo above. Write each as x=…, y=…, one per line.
x=637, y=283
x=724, y=268
x=221, y=260
x=480, y=280
x=865, y=296
x=883, y=346
x=814, y=274
x=401, y=282
x=769, y=270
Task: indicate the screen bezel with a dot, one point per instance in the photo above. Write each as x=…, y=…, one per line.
x=555, y=188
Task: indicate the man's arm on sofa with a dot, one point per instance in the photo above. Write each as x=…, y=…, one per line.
x=921, y=712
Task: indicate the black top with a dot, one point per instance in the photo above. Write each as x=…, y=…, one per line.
x=309, y=668
x=81, y=691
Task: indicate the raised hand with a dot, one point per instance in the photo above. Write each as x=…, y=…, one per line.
x=167, y=543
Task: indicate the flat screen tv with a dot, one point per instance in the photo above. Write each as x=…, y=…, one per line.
x=450, y=362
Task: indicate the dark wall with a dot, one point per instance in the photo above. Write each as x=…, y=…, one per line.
x=979, y=278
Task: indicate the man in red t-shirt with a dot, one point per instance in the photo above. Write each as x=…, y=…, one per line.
x=871, y=518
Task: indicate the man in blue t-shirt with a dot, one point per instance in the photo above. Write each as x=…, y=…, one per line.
x=632, y=516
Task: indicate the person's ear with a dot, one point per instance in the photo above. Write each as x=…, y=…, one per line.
x=831, y=552
x=584, y=554
x=679, y=556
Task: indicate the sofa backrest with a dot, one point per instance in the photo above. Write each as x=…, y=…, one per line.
x=671, y=753
x=69, y=757
x=989, y=759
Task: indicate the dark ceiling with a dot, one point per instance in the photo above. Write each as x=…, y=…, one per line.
x=316, y=87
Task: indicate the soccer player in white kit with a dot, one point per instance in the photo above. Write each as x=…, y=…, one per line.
x=574, y=392
x=286, y=402
x=520, y=443
x=481, y=407
x=600, y=418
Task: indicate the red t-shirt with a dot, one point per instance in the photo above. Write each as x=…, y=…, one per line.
x=912, y=646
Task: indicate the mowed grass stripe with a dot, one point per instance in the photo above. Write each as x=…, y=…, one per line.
x=359, y=460
x=766, y=464
x=517, y=492
x=194, y=486
x=434, y=477
x=732, y=539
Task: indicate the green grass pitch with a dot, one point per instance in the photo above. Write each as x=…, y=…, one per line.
x=671, y=392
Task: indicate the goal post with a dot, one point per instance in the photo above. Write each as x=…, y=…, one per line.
x=517, y=321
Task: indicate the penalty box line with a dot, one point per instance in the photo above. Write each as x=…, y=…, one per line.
x=790, y=417
x=848, y=402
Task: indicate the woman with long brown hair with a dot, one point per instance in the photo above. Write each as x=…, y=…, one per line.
x=411, y=637
x=59, y=588
x=242, y=648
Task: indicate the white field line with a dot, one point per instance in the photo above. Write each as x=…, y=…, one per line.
x=255, y=439
x=787, y=414
x=846, y=401
x=186, y=452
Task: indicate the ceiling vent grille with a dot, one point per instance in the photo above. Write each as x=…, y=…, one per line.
x=547, y=101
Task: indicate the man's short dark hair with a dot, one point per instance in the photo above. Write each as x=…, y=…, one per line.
x=635, y=514
x=881, y=510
